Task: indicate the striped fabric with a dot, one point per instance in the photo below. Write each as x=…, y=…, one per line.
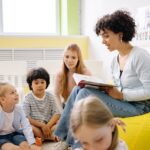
x=41, y=110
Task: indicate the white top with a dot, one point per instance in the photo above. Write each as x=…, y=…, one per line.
x=40, y=109
x=8, y=122
x=19, y=123
x=135, y=79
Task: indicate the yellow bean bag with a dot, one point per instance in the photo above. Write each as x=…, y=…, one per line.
x=137, y=134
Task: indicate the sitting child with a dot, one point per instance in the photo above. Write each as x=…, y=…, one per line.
x=39, y=105
x=15, y=129
x=93, y=125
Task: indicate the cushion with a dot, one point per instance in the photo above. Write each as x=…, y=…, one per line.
x=137, y=134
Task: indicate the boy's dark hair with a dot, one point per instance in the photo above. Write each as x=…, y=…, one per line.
x=37, y=73
x=119, y=21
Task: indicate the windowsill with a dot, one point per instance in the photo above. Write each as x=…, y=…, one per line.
x=37, y=35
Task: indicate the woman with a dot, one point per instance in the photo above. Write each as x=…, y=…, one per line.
x=130, y=72
x=72, y=63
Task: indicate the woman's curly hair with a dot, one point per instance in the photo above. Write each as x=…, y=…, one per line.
x=119, y=21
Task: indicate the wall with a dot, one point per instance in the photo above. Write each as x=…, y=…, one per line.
x=44, y=42
x=91, y=11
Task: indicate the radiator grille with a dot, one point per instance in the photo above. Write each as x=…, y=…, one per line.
x=15, y=63
x=30, y=55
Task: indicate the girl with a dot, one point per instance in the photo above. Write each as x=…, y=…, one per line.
x=15, y=129
x=72, y=63
x=39, y=105
x=93, y=125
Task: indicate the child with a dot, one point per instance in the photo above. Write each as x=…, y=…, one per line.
x=15, y=129
x=72, y=63
x=39, y=105
x=93, y=125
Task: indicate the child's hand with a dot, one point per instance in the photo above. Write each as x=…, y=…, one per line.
x=46, y=131
x=119, y=122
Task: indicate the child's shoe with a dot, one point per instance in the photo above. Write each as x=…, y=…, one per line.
x=38, y=141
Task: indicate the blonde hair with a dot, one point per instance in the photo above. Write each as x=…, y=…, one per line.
x=3, y=88
x=93, y=112
x=79, y=68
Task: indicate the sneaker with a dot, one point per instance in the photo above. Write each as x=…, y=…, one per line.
x=61, y=146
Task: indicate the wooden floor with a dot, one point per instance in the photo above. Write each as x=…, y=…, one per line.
x=48, y=146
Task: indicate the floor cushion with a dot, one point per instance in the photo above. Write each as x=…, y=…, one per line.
x=137, y=134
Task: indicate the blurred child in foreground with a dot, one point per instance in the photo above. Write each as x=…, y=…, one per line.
x=93, y=125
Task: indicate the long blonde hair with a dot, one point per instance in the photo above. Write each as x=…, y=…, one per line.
x=93, y=112
x=79, y=68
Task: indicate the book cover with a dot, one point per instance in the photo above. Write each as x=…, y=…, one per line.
x=90, y=81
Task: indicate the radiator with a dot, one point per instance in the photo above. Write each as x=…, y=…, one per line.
x=15, y=63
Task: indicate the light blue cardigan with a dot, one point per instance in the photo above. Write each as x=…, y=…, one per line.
x=135, y=79
x=20, y=123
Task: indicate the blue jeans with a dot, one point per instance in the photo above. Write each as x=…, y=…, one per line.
x=119, y=108
x=16, y=138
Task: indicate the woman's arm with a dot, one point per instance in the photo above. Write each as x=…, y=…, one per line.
x=141, y=82
x=135, y=80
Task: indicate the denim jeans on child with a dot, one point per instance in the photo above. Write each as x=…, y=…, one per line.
x=15, y=138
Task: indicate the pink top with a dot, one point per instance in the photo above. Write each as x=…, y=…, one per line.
x=71, y=83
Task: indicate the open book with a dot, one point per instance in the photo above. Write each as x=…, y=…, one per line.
x=90, y=81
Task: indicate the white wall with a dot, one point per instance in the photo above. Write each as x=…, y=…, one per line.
x=1, y=25
x=91, y=10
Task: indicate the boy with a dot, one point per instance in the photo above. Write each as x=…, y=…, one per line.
x=39, y=105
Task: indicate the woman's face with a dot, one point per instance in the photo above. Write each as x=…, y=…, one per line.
x=110, y=39
x=94, y=138
x=70, y=59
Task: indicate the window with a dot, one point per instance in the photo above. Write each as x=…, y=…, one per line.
x=30, y=16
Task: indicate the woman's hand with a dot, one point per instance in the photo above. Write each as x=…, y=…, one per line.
x=114, y=93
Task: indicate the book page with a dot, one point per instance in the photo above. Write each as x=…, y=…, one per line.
x=90, y=81
x=79, y=77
